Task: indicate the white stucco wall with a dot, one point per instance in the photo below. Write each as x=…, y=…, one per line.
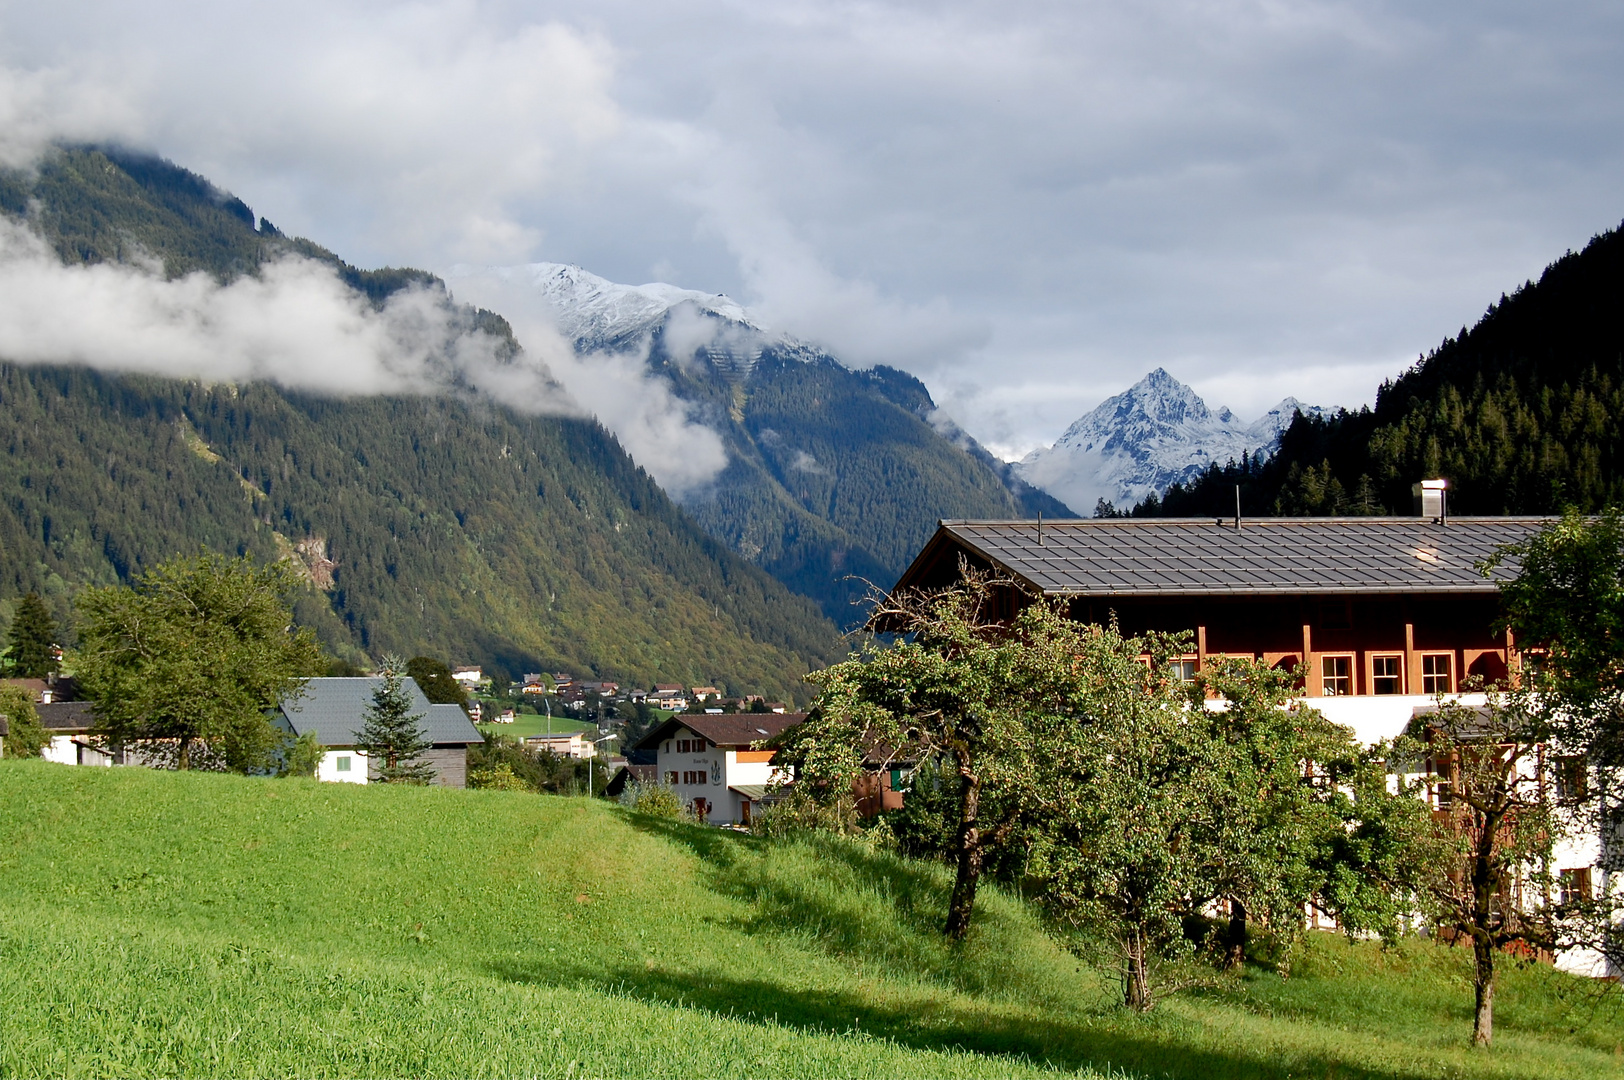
x=329, y=771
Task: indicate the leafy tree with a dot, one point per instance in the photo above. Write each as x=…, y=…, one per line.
x=959, y=683
x=539, y=770
x=1497, y=828
x=31, y=650
x=1565, y=608
x=25, y=735
x=391, y=735
x=1566, y=603
x=188, y=662
x=303, y=757
x=434, y=678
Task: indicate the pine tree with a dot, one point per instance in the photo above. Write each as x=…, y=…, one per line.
x=31, y=652
x=391, y=737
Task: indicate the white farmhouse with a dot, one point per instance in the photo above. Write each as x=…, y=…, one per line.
x=711, y=761
x=335, y=709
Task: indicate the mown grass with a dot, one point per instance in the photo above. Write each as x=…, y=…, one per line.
x=163, y=924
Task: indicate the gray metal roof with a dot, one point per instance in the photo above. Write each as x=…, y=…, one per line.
x=1176, y=557
x=335, y=709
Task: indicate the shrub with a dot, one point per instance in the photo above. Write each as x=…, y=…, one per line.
x=654, y=800
x=303, y=756
x=26, y=736
x=498, y=777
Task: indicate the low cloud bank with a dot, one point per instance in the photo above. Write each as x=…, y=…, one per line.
x=298, y=325
x=659, y=430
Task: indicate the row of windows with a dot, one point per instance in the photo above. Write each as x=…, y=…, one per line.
x=1437, y=674
x=689, y=776
x=690, y=746
x=1336, y=674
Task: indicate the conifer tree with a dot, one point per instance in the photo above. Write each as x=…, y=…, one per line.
x=31, y=649
x=391, y=736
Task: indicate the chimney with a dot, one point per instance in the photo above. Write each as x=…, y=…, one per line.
x=1431, y=499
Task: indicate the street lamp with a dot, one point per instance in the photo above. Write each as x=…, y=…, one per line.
x=592, y=752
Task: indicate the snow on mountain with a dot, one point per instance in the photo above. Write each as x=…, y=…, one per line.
x=1156, y=433
x=591, y=309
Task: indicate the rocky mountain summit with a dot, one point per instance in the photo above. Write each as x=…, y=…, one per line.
x=1156, y=433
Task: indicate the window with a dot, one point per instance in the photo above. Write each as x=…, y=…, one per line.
x=1183, y=670
x=1571, y=779
x=682, y=746
x=671, y=777
x=1336, y=676
x=1384, y=675
x=343, y=764
x=1438, y=674
x=1573, y=886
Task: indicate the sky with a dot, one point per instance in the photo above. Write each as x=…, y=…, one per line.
x=1028, y=205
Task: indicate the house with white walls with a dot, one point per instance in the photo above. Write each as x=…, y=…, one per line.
x=712, y=762
x=335, y=711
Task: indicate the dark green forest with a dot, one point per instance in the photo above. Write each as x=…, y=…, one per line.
x=1520, y=413
x=438, y=526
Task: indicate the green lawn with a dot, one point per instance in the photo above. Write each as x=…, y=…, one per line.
x=167, y=924
x=524, y=726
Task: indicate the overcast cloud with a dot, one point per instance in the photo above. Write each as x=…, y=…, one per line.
x=1028, y=205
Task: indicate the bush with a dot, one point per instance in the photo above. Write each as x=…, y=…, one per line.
x=26, y=736
x=498, y=777
x=800, y=812
x=654, y=800
x=303, y=756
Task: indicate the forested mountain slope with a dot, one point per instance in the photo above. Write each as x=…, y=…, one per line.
x=1521, y=413
x=447, y=525
x=835, y=474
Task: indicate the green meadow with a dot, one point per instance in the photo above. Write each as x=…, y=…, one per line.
x=164, y=924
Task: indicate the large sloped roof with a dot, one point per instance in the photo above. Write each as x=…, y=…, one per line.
x=723, y=729
x=335, y=709
x=1177, y=557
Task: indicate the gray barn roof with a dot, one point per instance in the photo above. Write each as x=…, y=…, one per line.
x=1175, y=557
x=335, y=709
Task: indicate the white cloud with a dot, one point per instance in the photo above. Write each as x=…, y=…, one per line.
x=295, y=324
x=1029, y=205
x=659, y=430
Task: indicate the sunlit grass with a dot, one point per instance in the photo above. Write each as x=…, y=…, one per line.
x=162, y=924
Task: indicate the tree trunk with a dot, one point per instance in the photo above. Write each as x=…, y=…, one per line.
x=963, y=899
x=184, y=761
x=1483, y=1016
x=1235, y=936
x=1135, y=972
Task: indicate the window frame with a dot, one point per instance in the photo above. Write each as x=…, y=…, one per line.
x=1397, y=676
x=341, y=763
x=1426, y=678
x=1348, y=675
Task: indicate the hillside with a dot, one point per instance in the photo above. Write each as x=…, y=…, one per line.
x=1521, y=413
x=172, y=924
x=833, y=474
x=445, y=525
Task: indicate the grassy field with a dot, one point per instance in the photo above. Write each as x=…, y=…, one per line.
x=525, y=725
x=166, y=924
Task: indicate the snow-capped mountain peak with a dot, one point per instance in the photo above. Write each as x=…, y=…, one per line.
x=590, y=309
x=1156, y=433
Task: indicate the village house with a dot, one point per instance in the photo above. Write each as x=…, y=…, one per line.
x=335, y=710
x=668, y=696
x=468, y=676
x=1383, y=614
x=570, y=744
x=711, y=761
